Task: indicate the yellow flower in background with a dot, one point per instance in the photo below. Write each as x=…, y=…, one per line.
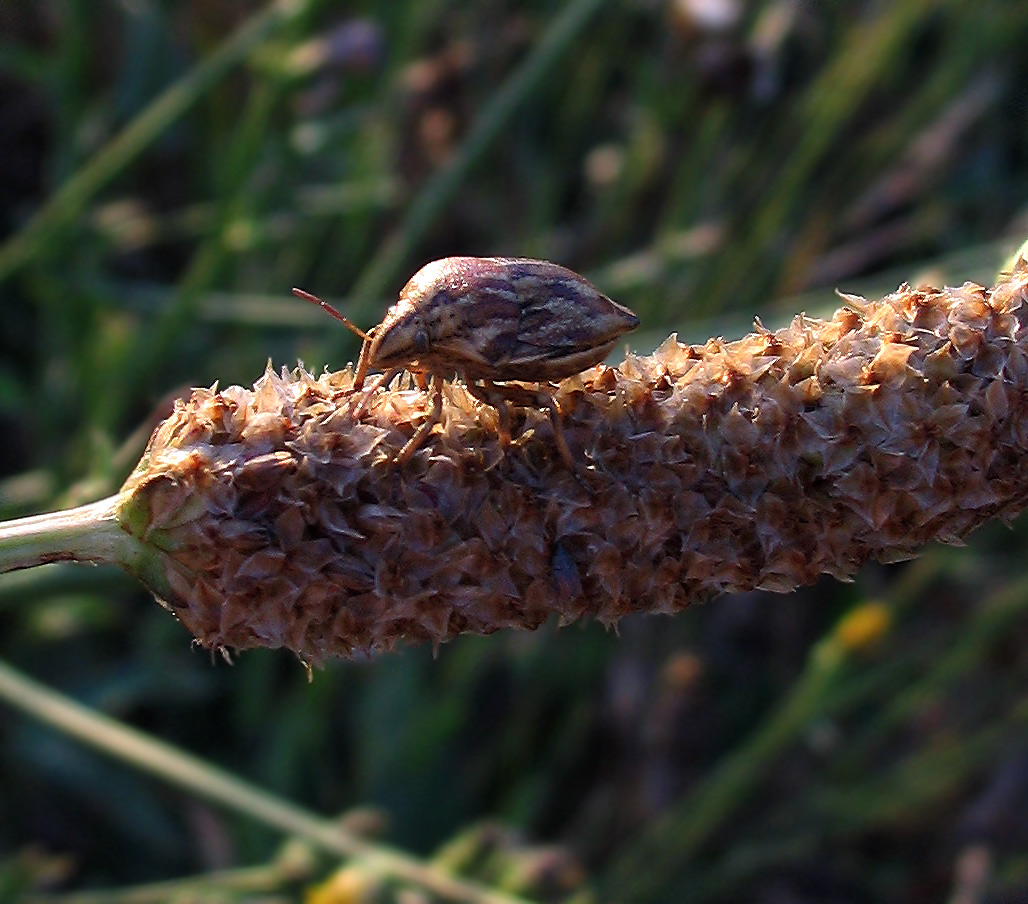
x=863, y=626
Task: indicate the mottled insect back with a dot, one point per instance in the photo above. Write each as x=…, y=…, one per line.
x=498, y=318
x=489, y=320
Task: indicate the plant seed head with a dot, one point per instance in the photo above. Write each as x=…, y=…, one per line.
x=278, y=519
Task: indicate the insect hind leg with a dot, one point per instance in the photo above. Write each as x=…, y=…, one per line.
x=498, y=395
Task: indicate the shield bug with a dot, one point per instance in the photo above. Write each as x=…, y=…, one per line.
x=490, y=320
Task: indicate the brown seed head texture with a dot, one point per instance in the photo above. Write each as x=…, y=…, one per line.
x=761, y=463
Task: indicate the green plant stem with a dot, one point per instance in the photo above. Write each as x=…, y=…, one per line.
x=218, y=786
x=252, y=883
x=97, y=532
x=88, y=533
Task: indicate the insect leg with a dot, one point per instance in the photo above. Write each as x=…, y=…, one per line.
x=365, y=400
x=411, y=446
x=558, y=435
x=492, y=396
x=529, y=398
x=363, y=360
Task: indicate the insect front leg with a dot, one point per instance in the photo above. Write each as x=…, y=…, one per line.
x=363, y=360
x=367, y=394
x=435, y=415
x=420, y=380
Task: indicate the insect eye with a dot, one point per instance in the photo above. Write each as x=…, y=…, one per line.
x=421, y=341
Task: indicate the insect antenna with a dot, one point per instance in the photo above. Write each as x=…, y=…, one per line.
x=313, y=299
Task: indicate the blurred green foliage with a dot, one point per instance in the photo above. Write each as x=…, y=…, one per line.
x=170, y=170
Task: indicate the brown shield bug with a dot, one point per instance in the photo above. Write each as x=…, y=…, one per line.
x=489, y=320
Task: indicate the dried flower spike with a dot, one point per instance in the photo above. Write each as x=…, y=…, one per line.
x=490, y=319
x=270, y=517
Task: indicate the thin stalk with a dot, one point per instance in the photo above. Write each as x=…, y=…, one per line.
x=88, y=533
x=97, y=532
x=204, y=780
x=253, y=881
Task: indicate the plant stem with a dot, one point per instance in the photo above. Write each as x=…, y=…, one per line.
x=218, y=786
x=89, y=533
